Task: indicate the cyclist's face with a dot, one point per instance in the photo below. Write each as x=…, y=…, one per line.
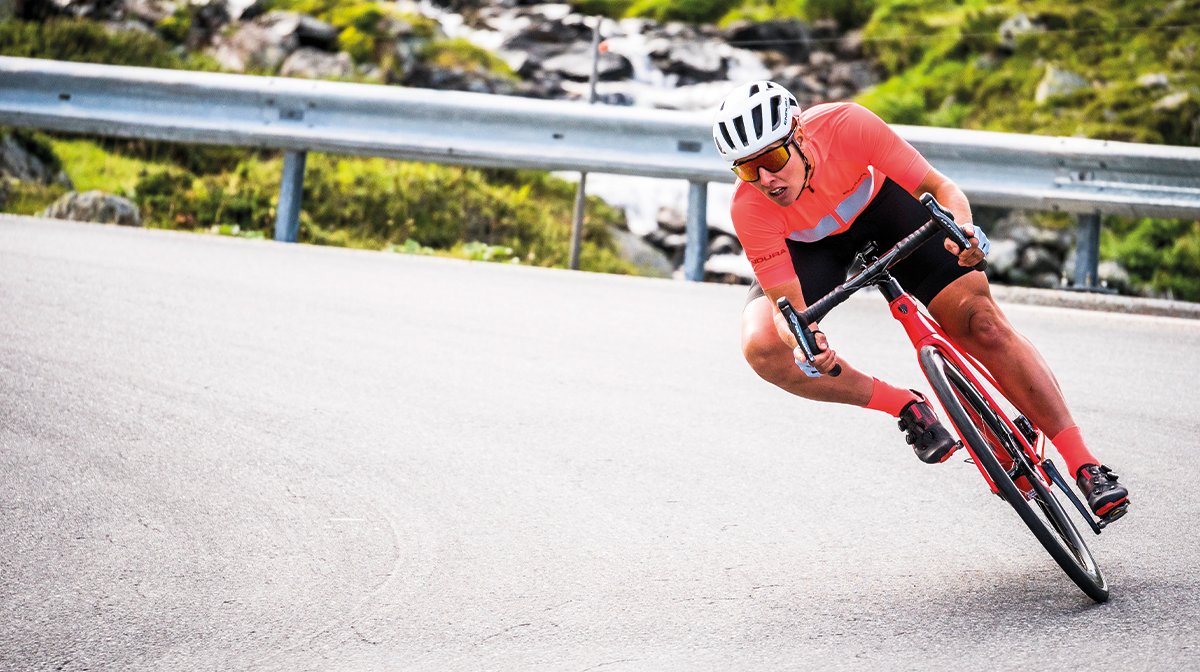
x=783, y=186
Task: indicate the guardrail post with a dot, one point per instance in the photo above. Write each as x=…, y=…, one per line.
x=695, y=253
x=287, y=214
x=1087, y=252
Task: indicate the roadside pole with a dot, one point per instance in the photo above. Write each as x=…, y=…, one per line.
x=581, y=191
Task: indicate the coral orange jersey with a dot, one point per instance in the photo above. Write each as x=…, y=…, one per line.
x=851, y=151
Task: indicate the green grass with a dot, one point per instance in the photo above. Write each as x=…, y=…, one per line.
x=90, y=166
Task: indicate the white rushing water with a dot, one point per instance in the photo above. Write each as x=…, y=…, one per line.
x=641, y=198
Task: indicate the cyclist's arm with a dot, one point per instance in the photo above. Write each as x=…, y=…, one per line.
x=947, y=193
x=826, y=357
x=791, y=290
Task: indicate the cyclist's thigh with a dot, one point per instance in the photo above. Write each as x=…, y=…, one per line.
x=894, y=214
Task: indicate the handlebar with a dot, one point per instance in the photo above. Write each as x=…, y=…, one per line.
x=804, y=336
x=945, y=219
x=940, y=219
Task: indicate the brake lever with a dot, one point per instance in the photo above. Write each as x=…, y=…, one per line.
x=945, y=220
x=805, y=339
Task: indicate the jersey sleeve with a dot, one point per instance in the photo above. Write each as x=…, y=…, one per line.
x=763, y=240
x=883, y=148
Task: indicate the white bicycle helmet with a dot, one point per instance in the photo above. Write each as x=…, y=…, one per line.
x=753, y=117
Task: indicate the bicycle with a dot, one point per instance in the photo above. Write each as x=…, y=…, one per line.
x=1009, y=452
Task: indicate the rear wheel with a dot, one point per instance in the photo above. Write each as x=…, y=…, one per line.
x=1000, y=454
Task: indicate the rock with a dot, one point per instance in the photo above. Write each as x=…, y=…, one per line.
x=723, y=244
x=857, y=75
x=1002, y=257
x=1058, y=82
x=1114, y=276
x=1172, y=102
x=95, y=206
x=264, y=42
x=23, y=163
x=576, y=65
x=821, y=59
x=313, y=32
x=316, y=64
x=850, y=45
x=149, y=11
x=1155, y=80
x=693, y=62
x=642, y=254
x=671, y=219
x=791, y=37
x=1036, y=260
x=1013, y=28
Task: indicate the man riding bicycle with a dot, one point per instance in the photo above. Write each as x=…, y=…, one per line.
x=814, y=187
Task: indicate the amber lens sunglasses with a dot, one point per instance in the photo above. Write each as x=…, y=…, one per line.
x=773, y=161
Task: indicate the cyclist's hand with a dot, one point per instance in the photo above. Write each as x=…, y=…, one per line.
x=970, y=257
x=825, y=358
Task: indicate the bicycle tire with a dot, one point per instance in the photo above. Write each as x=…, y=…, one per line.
x=981, y=425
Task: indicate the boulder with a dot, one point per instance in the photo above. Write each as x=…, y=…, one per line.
x=1057, y=82
x=1035, y=260
x=693, y=62
x=577, y=65
x=649, y=259
x=791, y=37
x=1013, y=28
x=1171, y=102
x=264, y=42
x=316, y=64
x=23, y=163
x=1154, y=80
x=1002, y=257
x=95, y=206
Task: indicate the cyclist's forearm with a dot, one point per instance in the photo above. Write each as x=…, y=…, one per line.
x=791, y=290
x=948, y=194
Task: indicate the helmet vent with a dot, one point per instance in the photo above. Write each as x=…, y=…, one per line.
x=740, y=126
x=757, y=117
x=775, y=112
x=725, y=133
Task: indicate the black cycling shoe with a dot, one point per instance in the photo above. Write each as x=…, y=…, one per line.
x=930, y=440
x=1099, y=485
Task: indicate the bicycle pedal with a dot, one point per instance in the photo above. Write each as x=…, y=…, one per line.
x=1114, y=515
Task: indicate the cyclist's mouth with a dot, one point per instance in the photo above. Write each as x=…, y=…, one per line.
x=777, y=192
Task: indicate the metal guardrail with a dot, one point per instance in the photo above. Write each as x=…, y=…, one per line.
x=1086, y=177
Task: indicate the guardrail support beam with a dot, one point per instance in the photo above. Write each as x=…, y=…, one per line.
x=1087, y=252
x=287, y=214
x=695, y=253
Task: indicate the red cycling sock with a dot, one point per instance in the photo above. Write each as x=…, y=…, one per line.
x=1074, y=451
x=889, y=398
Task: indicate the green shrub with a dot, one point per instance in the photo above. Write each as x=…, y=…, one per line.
x=1161, y=253
x=460, y=54
x=90, y=42
x=691, y=11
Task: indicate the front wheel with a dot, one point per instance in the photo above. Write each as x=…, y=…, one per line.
x=1001, y=455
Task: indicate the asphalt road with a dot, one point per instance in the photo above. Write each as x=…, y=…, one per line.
x=220, y=454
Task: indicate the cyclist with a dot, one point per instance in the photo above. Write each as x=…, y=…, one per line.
x=814, y=186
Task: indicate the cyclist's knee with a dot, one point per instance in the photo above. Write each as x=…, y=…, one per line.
x=986, y=325
x=764, y=352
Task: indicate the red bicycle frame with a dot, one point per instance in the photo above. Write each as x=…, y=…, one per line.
x=923, y=331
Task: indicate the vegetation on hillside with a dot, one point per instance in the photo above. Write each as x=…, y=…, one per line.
x=495, y=215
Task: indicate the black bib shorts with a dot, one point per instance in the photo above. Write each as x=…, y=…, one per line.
x=891, y=216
